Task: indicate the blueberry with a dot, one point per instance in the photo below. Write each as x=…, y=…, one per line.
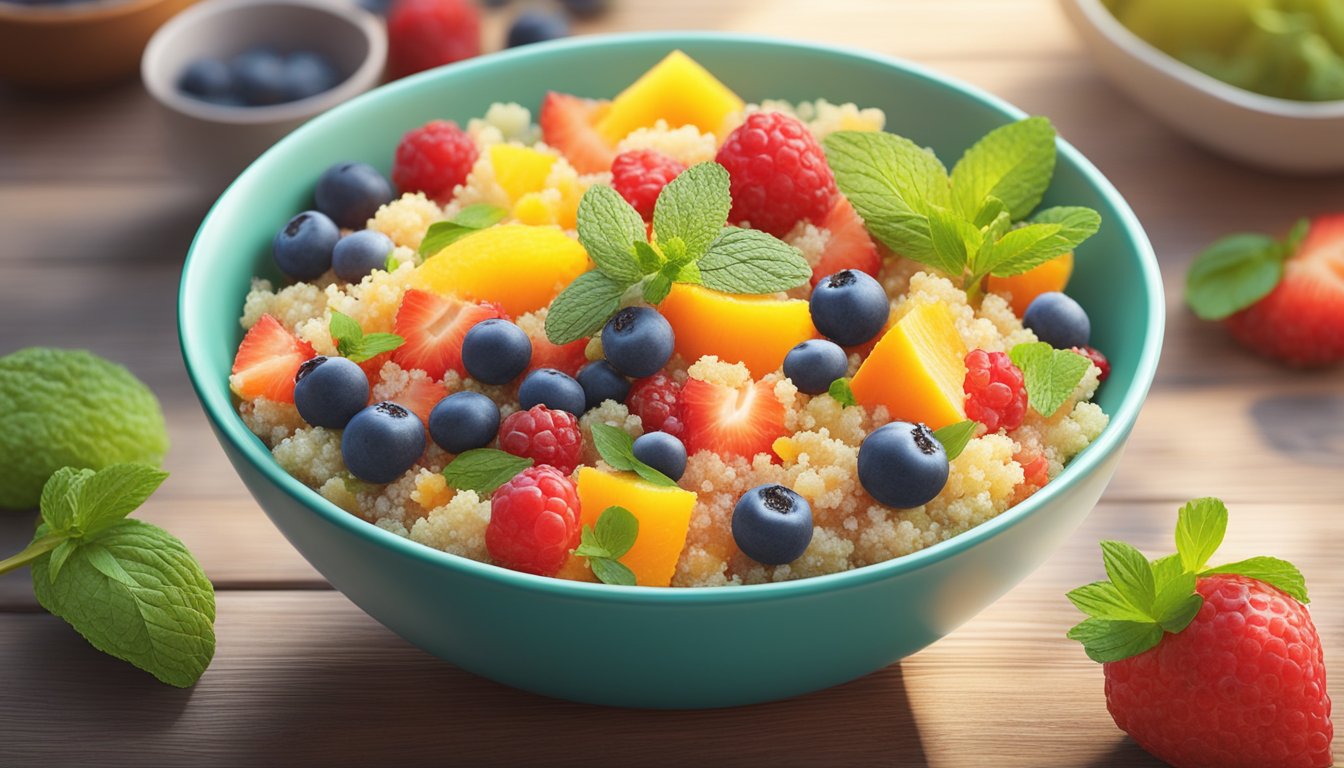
x=496, y=351
x=663, y=452
x=554, y=389
x=303, y=248
x=350, y=193
x=584, y=9
x=307, y=74
x=849, y=307
x=381, y=442
x=208, y=78
x=814, y=364
x=637, y=341
x=259, y=75
x=464, y=420
x=377, y=7
x=329, y=391
x=359, y=253
x=902, y=465
x=601, y=382
x=536, y=27
x=772, y=524
x=1058, y=320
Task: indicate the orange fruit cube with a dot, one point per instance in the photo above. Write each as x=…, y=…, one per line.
x=917, y=369
x=757, y=331
x=677, y=90
x=664, y=515
x=1022, y=289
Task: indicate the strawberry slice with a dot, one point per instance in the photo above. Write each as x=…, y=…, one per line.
x=567, y=124
x=420, y=397
x=434, y=327
x=1301, y=321
x=267, y=361
x=731, y=421
x=850, y=246
x=562, y=357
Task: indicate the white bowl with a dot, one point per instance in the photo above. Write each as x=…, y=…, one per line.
x=1278, y=134
x=213, y=143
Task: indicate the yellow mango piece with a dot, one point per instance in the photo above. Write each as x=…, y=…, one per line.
x=757, y=331
x=521, y=267
x=533, y=209
x=917, y=369
x=576, y=569
x=785, y=448
x=520, y=170
x=1053, y=275
x=664, y=515
x=677, y=90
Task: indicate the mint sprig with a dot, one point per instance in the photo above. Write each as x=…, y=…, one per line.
x=354, y=344
x=692, y=244
x=955, y=437
x=1049, y=375
x=130, y=588
x=616, y=447
x=483, y=470
x=1237, y=271
x=607, y=542
x=468, y=221
x=1144, y=600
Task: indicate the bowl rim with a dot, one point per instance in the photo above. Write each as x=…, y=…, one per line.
x=1105, y=23
x=230, y=426
x=162, y=85
x=89, y=11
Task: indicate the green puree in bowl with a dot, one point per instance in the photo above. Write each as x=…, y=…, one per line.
x=1291, y=49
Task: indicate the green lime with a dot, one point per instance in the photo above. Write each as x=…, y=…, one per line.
x=69, y=408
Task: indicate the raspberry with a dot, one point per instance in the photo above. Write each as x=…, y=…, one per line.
x=777, y=173
x=543, y=435
x=640, y=175
x=434, y=159
x=995, y=395
x=656, y=400
x=534, y=521
x=1098, y=359
x=422, y=34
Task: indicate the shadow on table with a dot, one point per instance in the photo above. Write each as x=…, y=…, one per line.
x=1126, y=754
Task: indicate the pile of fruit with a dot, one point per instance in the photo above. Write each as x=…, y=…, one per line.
x=676, y=339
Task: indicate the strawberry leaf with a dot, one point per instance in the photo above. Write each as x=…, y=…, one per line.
x=1102, y=600
x=1200, y=527
x=1131, y=573
x=1232, y=274
x=1280, y=574
x=1107, y=640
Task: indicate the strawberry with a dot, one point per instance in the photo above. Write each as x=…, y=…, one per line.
x=420, y=397
x=730, y=421
x=434, y=327
x=1283, y=300
x=267, y=362
x=562, y=357
x=1208, y=666
x=850, y=247
x=567, y=125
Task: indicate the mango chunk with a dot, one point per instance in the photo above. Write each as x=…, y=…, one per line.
x=676, y=89
x=1022, y=289
x=664, y=516
x=521, y=267
x=917, y=369
x=757, y=331
x=520, y=170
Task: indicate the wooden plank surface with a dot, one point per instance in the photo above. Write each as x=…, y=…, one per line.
x=96, y=224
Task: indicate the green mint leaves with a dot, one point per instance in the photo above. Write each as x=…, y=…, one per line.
x=469, y=220
x=955, y=437
x=842, y=393
x=353, y=344
x=692, y=244
x=617, y=448
x=608, y=541
x=1143, y=600
x=1049, y=375
x=969, y=224
x=1237, y=271
x=483, y=470
x=130, y=588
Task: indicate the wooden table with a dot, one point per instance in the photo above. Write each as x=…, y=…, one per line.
x=95, y=225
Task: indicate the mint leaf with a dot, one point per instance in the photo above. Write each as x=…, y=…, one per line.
x=1232, y=274
x=1280, y=574
x=616, y=447
x=353, y=345
x=60, y=497
x=479, y=216
x=955, y=437
x=658, y=286
x=588, y=544
x=616, y=531
x=648, y=259
x=392, y=263
x=1055, y=232
x=112, y=493
x=954, y=240
x=469, y=220
x=1107, y=640
x=158, y=611
x=1102, y=600
x=583, y=307
x=483, y=470
x=1131, y=574
x=608, y=229
x=1050, y=375
x=841, y=392
x=750, y=261
x=610, y=571
x=58, y=557
x=1200, y=527
x=694, y=207
x=376, y=344
x=1013, y=163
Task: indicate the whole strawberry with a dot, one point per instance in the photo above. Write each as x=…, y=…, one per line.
x=422, y=34
x=1208, y=667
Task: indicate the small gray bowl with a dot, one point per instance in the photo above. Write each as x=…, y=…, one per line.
x=212, y=143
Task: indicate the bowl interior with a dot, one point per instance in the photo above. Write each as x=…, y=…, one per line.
x=1116, y=276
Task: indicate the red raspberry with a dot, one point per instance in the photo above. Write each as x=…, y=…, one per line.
x=534, y=521
x=777, y=173
x=1243, y=685
x=434, y=159
x=1098, y=359
x=640, y=175
x=422, y=34
x=656, y=400
x=543, y=435
x=995, y=394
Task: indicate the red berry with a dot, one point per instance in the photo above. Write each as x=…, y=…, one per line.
x=422, y=34
x=1098, y=359
x=777, y=172
x=1035, y=469
x=543, y=435
x=995, y=393
x=656, y=400
x=849, y=246
x=567, y=358
x=534, y=521
x=267, y=361
x=434, y=328
x=1242, y=686
x=434, y=158
x=568, y=124
x=731, y=421
x=640, y=175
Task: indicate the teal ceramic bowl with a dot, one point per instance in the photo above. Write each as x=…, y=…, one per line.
x=665, y=648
